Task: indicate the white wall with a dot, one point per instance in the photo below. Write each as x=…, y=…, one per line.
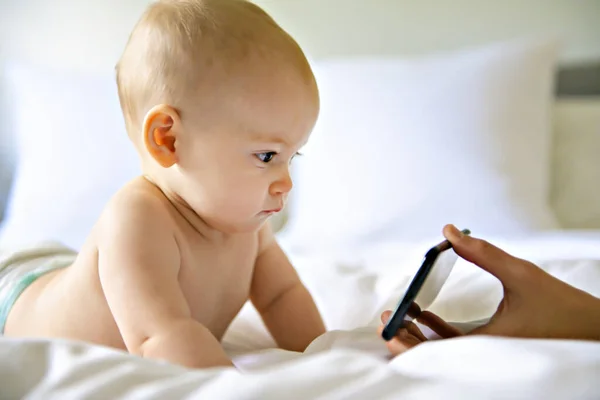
x=342, y=27
x=90, y=34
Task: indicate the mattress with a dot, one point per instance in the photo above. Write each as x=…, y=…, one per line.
x=350, y=361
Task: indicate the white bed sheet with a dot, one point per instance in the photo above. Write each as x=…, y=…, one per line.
x=350, y=361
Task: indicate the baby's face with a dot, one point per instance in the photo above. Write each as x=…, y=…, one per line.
x=236, y=154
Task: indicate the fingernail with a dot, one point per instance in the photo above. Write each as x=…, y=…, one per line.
x=385, y=317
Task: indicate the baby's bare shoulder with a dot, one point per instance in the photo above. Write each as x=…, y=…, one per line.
x=139, y=207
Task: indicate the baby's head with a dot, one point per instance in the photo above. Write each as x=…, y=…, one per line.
x=217, y=99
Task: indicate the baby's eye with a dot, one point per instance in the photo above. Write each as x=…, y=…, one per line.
x=266, y=157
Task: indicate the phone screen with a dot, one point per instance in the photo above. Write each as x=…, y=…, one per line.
x=425, y=286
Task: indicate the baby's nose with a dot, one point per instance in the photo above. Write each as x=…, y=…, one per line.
x=282, y=186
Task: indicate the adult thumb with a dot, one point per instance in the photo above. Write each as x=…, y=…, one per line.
x=485, y=255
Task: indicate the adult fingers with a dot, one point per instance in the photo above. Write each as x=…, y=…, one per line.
x=415, y=331
x=438, y=325
x=403, y=341
x=505, y=267
x=413, y=311
x=385, y=316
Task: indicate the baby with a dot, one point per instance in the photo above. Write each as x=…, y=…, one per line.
x=217, y=100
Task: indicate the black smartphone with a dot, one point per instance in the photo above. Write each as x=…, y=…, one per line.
x=425, y=286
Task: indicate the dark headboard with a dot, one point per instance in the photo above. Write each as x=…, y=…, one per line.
x=579, y=80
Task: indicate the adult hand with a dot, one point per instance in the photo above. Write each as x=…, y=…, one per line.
x=535, y=304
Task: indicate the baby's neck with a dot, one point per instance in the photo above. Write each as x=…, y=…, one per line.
x=195, y=221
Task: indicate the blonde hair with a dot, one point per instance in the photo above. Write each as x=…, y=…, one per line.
x=178, y=43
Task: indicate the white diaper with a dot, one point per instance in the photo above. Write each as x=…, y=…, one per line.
x=19, y=268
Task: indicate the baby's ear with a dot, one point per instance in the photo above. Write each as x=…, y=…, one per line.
x=160, y=136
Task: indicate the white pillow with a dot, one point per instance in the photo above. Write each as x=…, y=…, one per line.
x=73, y=153
x=404, y=146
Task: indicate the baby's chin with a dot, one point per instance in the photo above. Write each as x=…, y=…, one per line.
x=253, y=224
x=260, y=221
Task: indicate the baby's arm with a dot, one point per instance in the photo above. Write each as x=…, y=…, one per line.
x=283, y=302
x=139, y=264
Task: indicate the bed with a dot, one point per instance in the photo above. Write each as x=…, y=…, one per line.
x=511, y=154
x=350, y=361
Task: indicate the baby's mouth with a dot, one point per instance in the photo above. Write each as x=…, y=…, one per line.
x=273, y=211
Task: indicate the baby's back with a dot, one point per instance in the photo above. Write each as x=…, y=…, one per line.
x=99, y=298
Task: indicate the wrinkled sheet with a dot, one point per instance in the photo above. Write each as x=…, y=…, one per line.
x=349, y=361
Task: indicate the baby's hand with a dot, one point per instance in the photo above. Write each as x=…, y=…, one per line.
x=411, y=335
